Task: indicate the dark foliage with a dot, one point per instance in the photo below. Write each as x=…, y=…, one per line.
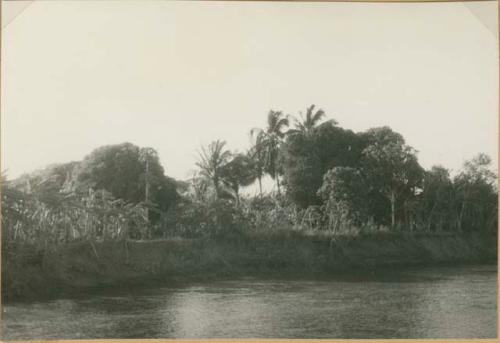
x=126, y=171
x=307, y=157
x=336, y=182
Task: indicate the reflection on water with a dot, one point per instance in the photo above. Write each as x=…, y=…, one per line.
x=458, y=302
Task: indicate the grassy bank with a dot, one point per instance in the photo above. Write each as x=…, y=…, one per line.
x=77, y=267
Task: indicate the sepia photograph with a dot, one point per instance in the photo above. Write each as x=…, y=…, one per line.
x=249, y=169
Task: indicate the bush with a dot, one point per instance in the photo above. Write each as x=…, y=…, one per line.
x=218, y=218
x=54, y=218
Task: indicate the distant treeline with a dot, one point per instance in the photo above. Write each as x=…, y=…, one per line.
x=329, y=181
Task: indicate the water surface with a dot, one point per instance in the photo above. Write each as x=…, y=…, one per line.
x=444, y=302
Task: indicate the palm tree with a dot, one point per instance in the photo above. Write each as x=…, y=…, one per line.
x=257, y=155
x=211, y=162
x=307, y=124
x=271, y=139
x=147, y=156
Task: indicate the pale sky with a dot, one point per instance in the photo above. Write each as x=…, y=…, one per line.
x=176, y=75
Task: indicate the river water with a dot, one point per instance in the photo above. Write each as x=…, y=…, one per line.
x=444, y=302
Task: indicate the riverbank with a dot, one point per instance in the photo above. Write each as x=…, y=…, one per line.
x=31, y=274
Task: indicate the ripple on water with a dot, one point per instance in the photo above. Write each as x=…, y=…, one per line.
x=446, y=302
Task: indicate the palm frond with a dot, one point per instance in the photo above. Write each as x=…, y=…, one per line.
x=320, y=114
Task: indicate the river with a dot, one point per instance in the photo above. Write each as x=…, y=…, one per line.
x=443, y=302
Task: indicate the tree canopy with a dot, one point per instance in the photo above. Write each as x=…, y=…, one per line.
x=127, y=171
x=306, y=158
x=333, y=179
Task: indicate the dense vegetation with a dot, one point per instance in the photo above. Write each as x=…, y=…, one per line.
x=333, y=186
x=329, y=181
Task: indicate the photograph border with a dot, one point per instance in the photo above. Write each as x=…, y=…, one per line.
x=254, y=340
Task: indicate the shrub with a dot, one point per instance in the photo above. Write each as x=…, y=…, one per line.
x=217, y=218
x=52, y=218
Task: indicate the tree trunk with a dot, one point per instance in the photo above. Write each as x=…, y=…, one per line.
x=260, y=186
x=236, y=191
x=278, y=184
x=147, y=188
x=147, y=181
x=216, y=186
x=393, y=209
x=460, y=216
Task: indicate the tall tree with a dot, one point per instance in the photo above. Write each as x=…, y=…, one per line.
x=257, y=154
x=271, y=140
x=476, y=195
x=435, y=202
x=212, y=160
x=306, y=158
x=310, y=121
x=129, y=173
x=391, y=166
x=147, y=156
